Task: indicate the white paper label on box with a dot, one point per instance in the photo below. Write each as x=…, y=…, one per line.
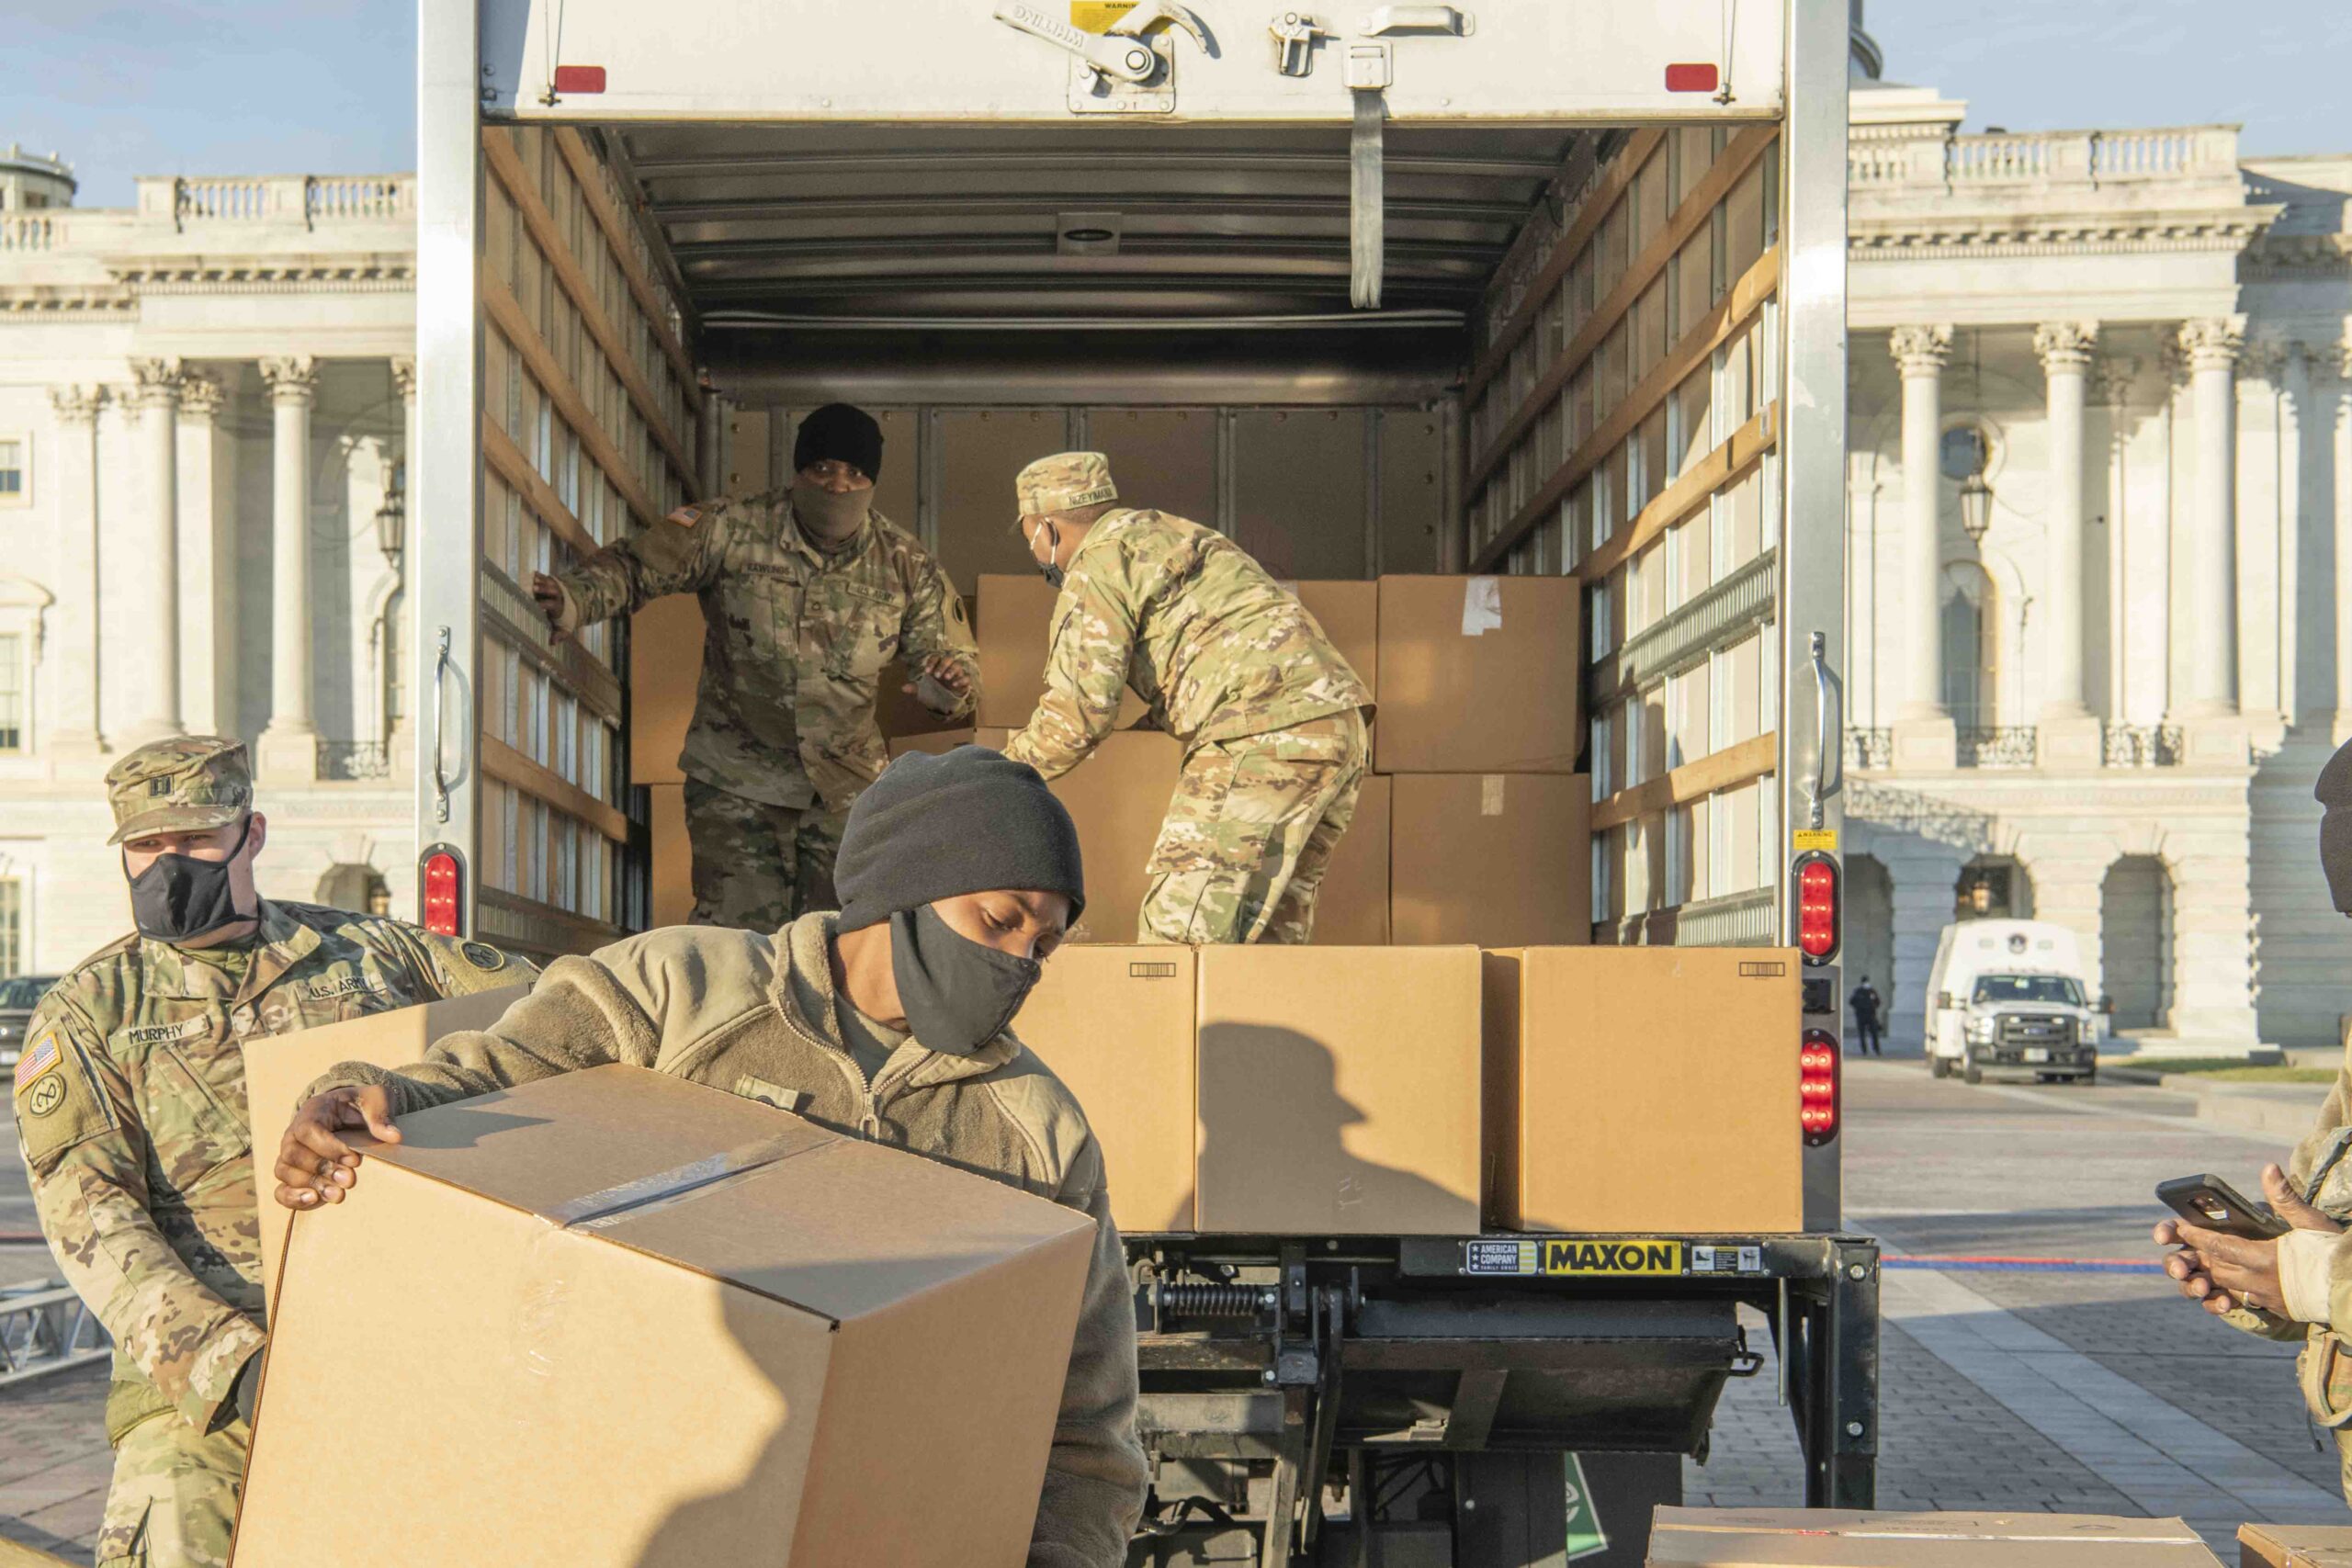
x=1490, y=796
x=1482, y=606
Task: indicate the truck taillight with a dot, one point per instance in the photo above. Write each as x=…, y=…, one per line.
x=442, y=875
x=1817, y=1087
x=1817, y=903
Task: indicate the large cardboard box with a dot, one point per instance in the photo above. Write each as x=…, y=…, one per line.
x=281, y=1066
x=637, y=1322
x=1338, y=1090
x=1118, y=797
x=664, y=672
x=1016, y=626
x=1479, y=675
x=1822, y=1538
x=673, y=893
x=1609, y=1069
x=1349, y=614
x=1116, y=1024
x=1351, y=910
x=1497, y=860
x=2294, y=1546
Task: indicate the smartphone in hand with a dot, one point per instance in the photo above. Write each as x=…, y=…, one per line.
x=2210, y=1201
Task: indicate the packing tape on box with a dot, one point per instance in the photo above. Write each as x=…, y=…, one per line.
x=1482, y=606
x=599, y=1209
x=1490, y=795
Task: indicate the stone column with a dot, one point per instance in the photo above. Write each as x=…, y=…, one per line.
x=152, y=621
x=403, y=744
x=76, y=745
x=208, y=642
x=1924, y=735
x=2210, y=349
x=2070, y=733
x=290, y=745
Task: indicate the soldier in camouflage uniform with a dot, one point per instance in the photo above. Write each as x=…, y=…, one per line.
x=131, y=1110
x=1231, y=663
x=807, y=593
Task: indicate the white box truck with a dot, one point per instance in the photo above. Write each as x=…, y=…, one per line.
x=2012, y=997
x=1507, y=286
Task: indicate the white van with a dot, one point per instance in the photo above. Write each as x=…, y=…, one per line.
x=2012, y=996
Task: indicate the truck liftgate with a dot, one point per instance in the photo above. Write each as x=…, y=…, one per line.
x=1458, y=1401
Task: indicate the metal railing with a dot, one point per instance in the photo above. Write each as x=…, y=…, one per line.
x=2006, y=746
x=2141, y=746
x=1869, y=748
x=47, y=1327
x=354, y=759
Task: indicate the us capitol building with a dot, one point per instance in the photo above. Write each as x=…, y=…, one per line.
x=2099, y=532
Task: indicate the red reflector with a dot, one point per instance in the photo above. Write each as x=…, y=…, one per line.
x=1817, y=1084
x=1817, y=941
x=590, y=78
x=442, y=903
x=1687, y=78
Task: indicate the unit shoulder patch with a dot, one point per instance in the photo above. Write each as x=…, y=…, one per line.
x=483, y=957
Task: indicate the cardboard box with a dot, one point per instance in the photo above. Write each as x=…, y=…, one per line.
x=1497, y=860
x=664, y=672
x=1479, y=675
x=672, y=892
x=281, y=1066
x=1824, y=1537
x=1116, y=1024
x=1338, y=1090
x=1690, y=1051
x=1118, y=796
x=666, y=1325
x=1352, y=908
x=1349, y=614
x=1016, y=626
x=2295, y=1546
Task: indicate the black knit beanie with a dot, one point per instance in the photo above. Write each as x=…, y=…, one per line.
x=964, y=821
x=841, y=434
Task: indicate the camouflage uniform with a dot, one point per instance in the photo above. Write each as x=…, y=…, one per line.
x=784, y=734
x=1233, y=665
x=131, y=1110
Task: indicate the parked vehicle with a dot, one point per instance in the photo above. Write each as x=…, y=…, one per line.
x=19, y=994
x=2011, y=997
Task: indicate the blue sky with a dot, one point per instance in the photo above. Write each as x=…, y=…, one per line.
x=326, y=86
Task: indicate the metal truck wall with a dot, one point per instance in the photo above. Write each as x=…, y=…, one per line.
x=585, y=406
x=1313, y=492
x=1622, y=430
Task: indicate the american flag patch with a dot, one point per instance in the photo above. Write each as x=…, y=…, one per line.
x=38, y=1059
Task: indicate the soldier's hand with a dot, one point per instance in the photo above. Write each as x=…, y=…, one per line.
x=549, y=594
x=950, y=673
x=2188, y=1271
x=314, y=1164
x=2228, y=1271
x=2288, y=1206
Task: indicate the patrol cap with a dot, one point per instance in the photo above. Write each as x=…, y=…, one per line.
x=1063, y=481
x=183, y=784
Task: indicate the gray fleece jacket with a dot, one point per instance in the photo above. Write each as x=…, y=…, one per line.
x=753, y=1015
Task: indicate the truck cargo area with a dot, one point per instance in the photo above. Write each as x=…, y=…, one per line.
x=1596, y=335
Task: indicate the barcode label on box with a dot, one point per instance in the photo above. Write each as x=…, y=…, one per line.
x=1141, y=971
x=1762, y=969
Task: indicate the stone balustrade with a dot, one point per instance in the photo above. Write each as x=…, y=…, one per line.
x=306, y=201
x=1912, y=158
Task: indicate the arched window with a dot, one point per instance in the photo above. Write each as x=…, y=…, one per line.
x=1971, y=643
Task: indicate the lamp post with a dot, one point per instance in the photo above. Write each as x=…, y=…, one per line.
x=1975, y=507
x=391, y=523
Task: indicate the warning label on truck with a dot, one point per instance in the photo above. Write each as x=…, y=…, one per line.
x=1567, y=1256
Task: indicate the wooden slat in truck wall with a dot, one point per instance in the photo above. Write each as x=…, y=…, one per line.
x=1621, y=418
x=588, y=433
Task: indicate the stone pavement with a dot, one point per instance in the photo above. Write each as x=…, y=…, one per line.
x=2081, y=1390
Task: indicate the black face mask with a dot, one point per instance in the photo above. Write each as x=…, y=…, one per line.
x=1047, y=569
x=958, y=994
x=179, y=896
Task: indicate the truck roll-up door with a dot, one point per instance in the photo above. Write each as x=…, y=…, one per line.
x=587, y=409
